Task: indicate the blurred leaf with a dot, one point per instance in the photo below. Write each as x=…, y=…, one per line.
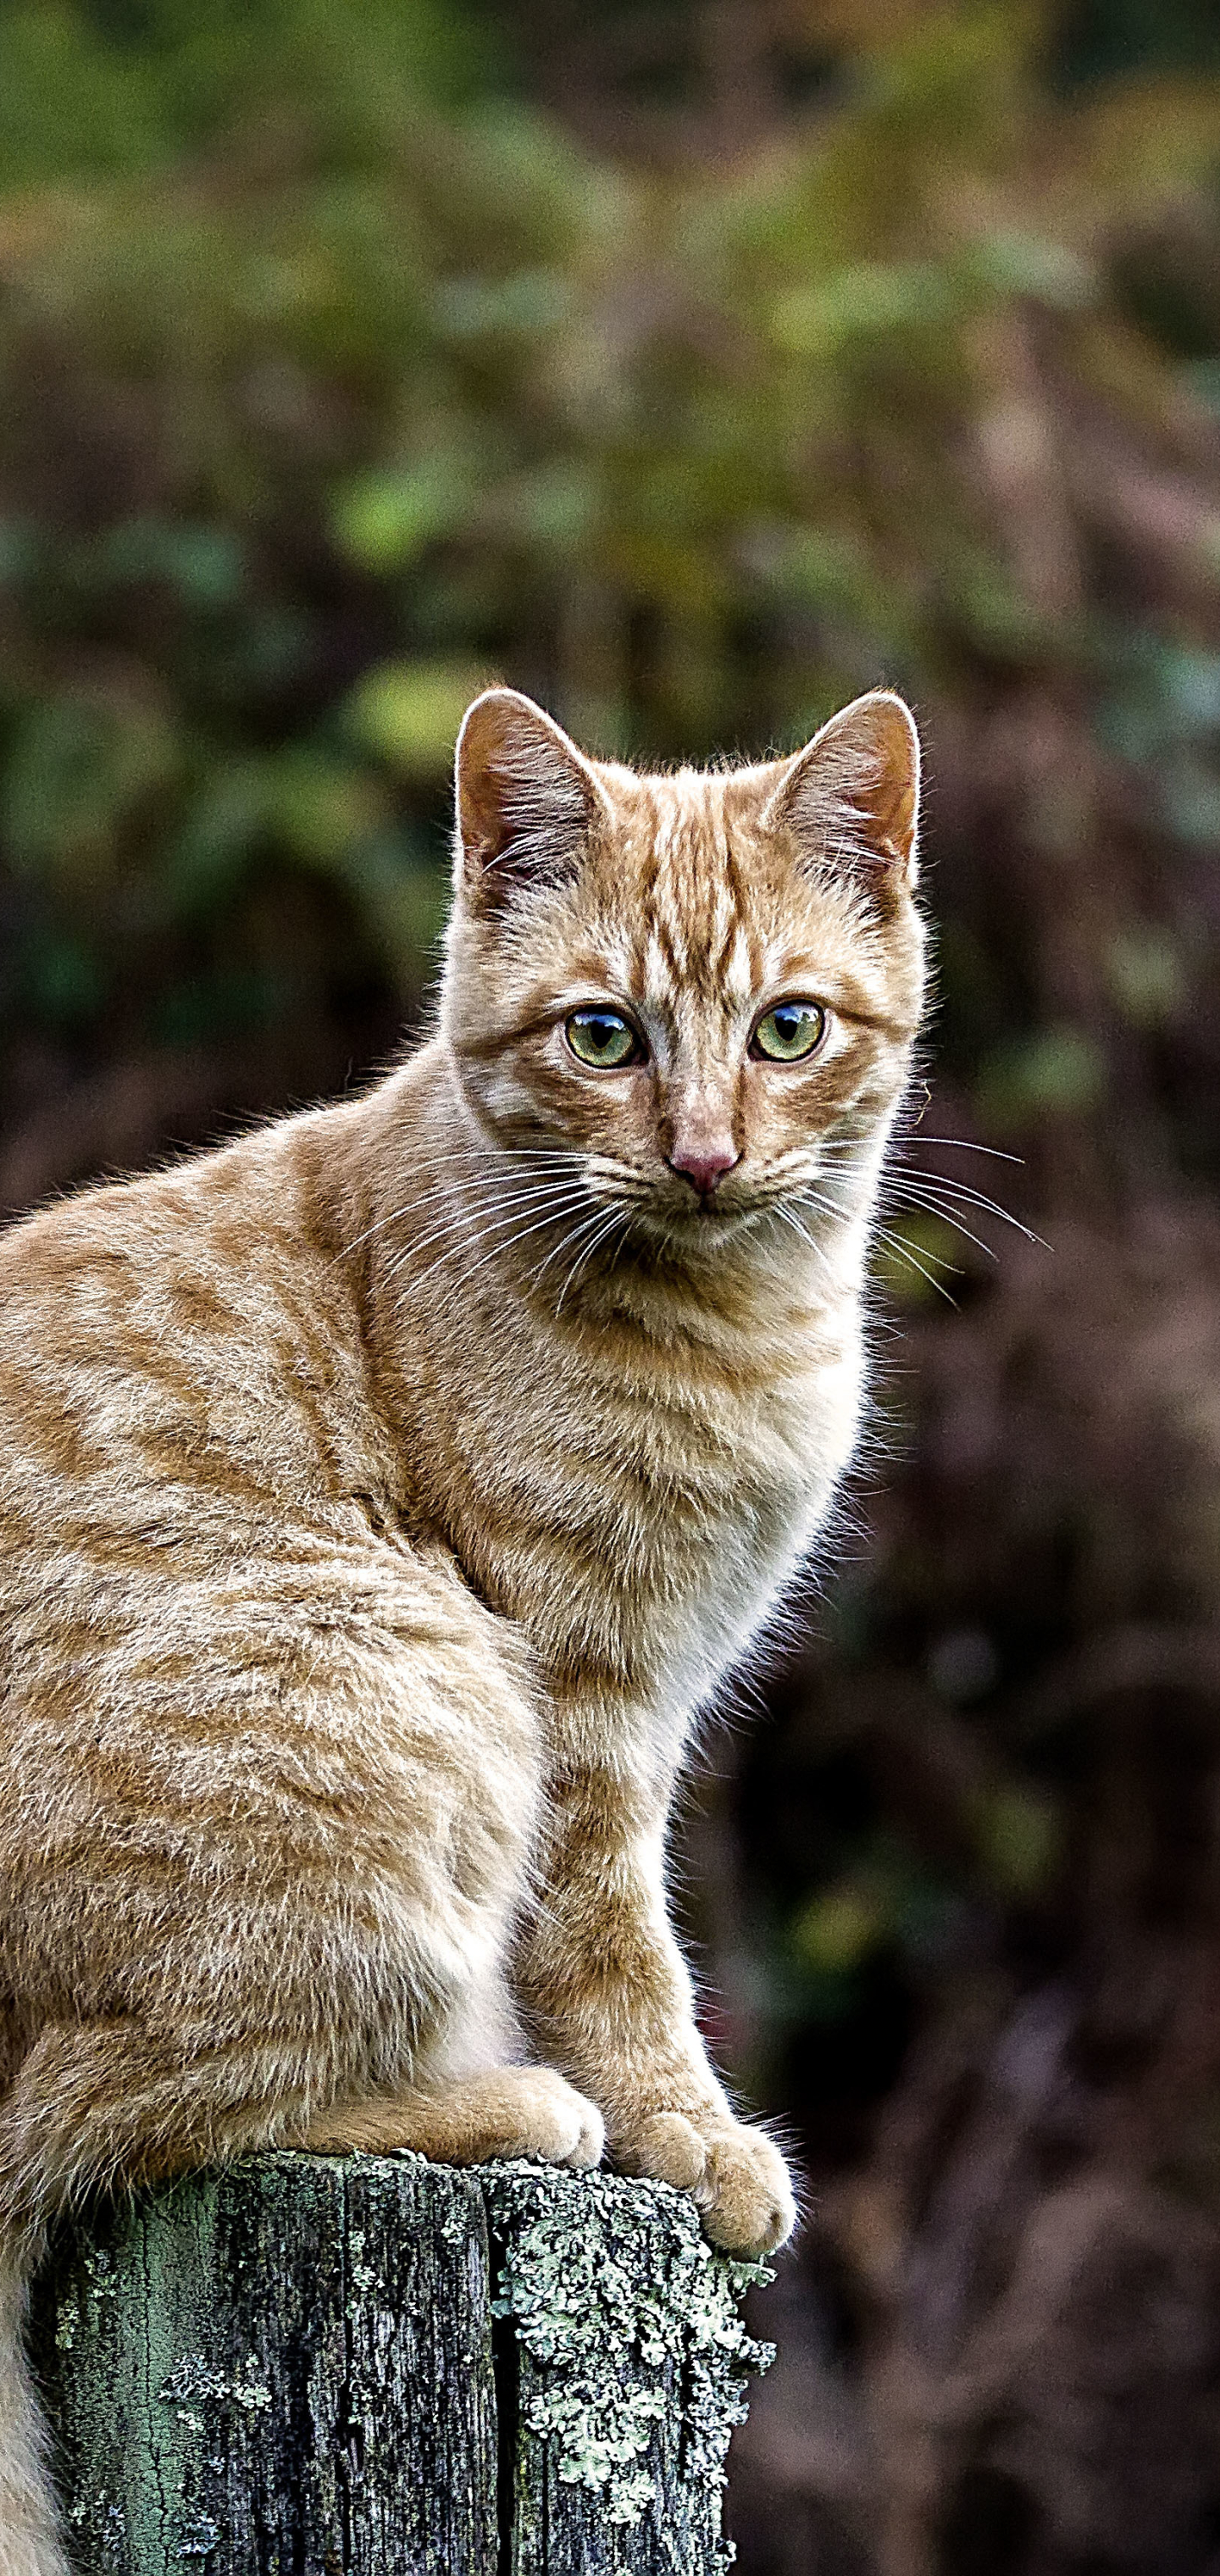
x=478, y=308
x=318, y=806
x=382, y=520
x=409, y=713
x=1147, y=975
x=69, y=101
x=1059, y=1072
x=1013, y=263
x=204, y=860
x=78, y=770
x=1167, y=696
x=840, y=1926
x=1019, y=1839
x=205, y=565
x=555, y=508
x=863, y=303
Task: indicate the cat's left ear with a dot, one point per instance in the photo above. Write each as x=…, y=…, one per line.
x=526, y=801
x=851, y=797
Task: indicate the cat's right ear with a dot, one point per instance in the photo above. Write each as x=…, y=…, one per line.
x=526, y=800
x=851, y=797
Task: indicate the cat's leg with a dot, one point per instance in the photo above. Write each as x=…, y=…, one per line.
x=604, y=1984
x=269, y=1849
x=94, y=2105
x=292, y=1883
x=469, y=2097
x=510, y=2111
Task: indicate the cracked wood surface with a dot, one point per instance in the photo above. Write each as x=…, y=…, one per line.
x=282, y=2370
x=376, y=2366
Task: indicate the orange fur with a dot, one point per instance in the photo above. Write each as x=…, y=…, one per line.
x=382, y=1495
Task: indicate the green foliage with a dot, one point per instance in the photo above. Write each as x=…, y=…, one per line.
x=77, y=101
x=335, y=385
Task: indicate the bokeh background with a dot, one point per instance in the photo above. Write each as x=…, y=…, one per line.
x=696, y=367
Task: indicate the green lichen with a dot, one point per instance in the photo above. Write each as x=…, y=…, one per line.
x=627, y=2316
x=169, y=2348
x=191, y=2377
x=198, y=2537
x=360, y=2273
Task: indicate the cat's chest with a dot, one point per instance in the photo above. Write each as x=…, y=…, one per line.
x=650, y=1520
x=720, y=1503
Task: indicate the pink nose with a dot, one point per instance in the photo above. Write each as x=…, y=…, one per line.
x=704, y=1170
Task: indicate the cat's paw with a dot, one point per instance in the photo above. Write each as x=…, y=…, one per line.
x=738, y=2178
x=554, y=2120
x=746, y=2196
x=508, y=2111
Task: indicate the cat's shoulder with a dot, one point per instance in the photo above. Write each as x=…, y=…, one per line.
x=269, y=1190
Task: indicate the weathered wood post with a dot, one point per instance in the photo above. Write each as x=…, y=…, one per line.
x=375, y=2366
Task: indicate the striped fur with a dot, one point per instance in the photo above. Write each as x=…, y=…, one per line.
x=382, y=1495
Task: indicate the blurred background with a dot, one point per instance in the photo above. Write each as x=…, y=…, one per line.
x=696, y=367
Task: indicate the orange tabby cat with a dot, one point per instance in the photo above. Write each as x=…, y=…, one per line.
x=381, y=1495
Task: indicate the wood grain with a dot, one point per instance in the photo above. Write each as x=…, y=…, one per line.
x=378, y=2366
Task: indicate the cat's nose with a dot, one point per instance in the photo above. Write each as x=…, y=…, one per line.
x=704, y=1167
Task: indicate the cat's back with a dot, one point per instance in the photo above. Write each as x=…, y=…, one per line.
x=179, y=1355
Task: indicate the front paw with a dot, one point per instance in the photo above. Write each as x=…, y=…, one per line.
x=738, y=2178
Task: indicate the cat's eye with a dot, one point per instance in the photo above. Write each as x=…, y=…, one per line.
x=603, y=1039
x=790, y=1032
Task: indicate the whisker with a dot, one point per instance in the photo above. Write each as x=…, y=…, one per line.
x=812, y=1197
x=521, y=1234
x=514, y=1239
x=966, y=1145
x=560, y=1207
x=476, y=1196
x=912, y=1198
x=479, y=1213
x=812, y=1245
x=938, y=1194
x=614, y=1217
x=539, y=1157
x=901, y=1178
x=903, y=1243
x=571, y=1237
x=902, y=1250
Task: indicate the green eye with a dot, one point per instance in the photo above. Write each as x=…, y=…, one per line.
x=603, y=1039
x=790, y=1031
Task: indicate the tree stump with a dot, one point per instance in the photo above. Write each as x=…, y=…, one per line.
x=377, y=2366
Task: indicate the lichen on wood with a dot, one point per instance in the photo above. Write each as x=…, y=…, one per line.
x=630, y=2373
x=376, y=2366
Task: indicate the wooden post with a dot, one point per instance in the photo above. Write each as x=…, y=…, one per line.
x=376, y=2366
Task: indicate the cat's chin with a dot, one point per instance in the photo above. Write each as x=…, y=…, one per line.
x=702, y=1231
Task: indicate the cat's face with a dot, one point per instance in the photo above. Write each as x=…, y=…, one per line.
x=701, y=990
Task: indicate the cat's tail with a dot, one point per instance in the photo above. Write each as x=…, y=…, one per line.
x=29, y=2542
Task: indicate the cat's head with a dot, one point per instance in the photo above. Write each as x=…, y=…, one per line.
x=701, y=989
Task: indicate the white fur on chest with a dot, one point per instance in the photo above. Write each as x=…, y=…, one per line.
x=757, y=1527
x=689, y=1518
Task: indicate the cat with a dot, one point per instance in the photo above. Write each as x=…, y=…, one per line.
x=381, y=1496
